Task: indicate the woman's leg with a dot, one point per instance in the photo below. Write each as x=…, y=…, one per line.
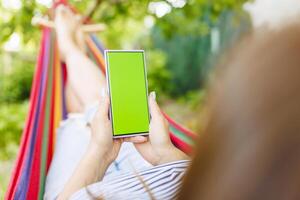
x=85, y=80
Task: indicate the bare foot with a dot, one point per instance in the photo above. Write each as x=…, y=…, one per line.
x=68, y=30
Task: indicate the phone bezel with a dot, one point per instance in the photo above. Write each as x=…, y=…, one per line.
x=108, y=89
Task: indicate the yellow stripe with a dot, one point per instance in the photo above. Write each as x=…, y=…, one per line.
x=58, y=94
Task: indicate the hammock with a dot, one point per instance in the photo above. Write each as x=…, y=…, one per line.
x=46, y=109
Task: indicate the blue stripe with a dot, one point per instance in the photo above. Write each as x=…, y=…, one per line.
x=98, y=43
x=64, y=104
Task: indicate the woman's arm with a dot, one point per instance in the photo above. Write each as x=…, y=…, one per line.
x=101, y=152
x=91, y=169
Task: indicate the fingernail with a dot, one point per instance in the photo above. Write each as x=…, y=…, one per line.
x=153, y=95
x=103, y=92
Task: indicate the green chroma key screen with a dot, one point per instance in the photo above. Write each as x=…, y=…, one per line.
x=128, y=92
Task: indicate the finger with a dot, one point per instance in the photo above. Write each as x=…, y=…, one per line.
x=154, y=108
x=103, y=105
x=136, y=139
x=118, y=140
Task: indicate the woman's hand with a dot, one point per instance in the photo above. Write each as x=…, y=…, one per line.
x=159, y=148
x=101, y=152
x=102, y=139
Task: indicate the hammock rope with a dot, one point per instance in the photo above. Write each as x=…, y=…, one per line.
x=46, y=109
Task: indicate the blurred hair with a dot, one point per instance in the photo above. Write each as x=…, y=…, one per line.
x=251, y=145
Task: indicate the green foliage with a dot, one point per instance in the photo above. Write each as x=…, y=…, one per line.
x=190, y=19
x=190, y=56
x=185, y=57
x=195, y=98
x=184, y=34
x=20, y=21
x=113, y=13
x=12, y=119
x=15, y=85
x=158, y=76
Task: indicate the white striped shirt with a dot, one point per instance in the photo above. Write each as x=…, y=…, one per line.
x=162, y=181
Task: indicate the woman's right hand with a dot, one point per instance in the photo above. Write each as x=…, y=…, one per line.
x=158, y=149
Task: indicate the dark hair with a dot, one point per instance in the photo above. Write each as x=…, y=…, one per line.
x=251, y=145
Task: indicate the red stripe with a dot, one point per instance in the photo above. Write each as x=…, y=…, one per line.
x=52, y=114
x=186, y=148
x=64, y=73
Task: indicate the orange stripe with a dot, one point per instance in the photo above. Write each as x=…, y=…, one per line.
x=97, y=53
x=58, y=94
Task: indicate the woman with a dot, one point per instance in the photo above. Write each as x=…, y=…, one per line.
x=250, y=147
x=86, y=153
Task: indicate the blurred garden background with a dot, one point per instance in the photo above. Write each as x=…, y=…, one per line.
x=183, y=40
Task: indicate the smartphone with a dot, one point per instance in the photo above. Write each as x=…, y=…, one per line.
x=128, y=92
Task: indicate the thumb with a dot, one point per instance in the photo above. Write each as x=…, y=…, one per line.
x=103, y=105
x=154, y=108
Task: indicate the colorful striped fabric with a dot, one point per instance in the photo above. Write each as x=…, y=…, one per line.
x=46, y=109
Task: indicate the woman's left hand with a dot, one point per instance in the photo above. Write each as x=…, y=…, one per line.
x=101, y=152
x=102, y=137
x=101, y=128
